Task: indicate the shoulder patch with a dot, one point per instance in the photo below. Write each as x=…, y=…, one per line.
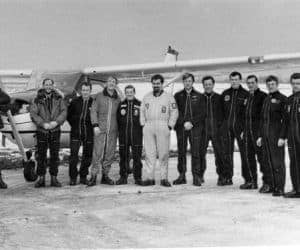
x=174, y=105
x=227, y=98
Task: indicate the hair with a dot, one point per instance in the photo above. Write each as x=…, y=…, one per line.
x=188, y=75
x=129, y=87
x=252, y=76
x=157, y=77
x=48, y=79
x=113, y=77
x=87, y=84
x=272, y=78
x=295, y=76
x=235, y=73
x=205, y=78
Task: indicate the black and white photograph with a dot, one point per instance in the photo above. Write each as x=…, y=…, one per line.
x=146, y=124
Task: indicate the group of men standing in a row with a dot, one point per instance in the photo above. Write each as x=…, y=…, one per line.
x=259, y=122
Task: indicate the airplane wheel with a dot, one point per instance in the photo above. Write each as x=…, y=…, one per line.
x=29, y=171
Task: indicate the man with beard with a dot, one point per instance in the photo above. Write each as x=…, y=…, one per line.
x=130, y=136
x=104, y=121
x=213, y=129
x=158, y=116
x=189, y=126
x=293, y=135
x=272, y=134
x=250, y=135
x=81, y=133
x=234, y=104
x=48, y=111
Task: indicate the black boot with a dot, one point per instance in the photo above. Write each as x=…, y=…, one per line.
x=54, y=182
x=265, y=189
x=246, y=185
x=73, y=181
x=2, y=183
x=197, y=181
x=122, y=181
x=41, y=182
x=148, y=182
x=138, y=182
x=228, y=182
x=106, y=180
x=221, y=181
x=83, y=180
x=92, y=181
x=292, y=194
x=165, y=183
x=180, y=180
x=278, y=192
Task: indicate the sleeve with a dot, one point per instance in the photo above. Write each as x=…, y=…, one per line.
x=285, y=119
x=34, y=114
x=142, y=113
x=63, y=112
x=70, y=113
x=261, y=120
x=180, y=120
x=94, y=113
x=173, y=112
x=118, y=114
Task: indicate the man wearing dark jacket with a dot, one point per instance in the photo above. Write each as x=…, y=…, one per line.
x=48, y=111
x=213, y=128
x=81, y=133
x=250, y=134
x=130, y=136
x=293, y=135
x=272, y=134
x=189, y=126
x=234, y=104
x=4, y=101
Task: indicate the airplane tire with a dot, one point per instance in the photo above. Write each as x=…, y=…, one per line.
x=29, y=171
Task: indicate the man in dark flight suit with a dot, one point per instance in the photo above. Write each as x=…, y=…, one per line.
x=250, y=135
x=234, y=103
x=272, y=134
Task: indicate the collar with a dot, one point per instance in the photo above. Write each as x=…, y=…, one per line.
x=115, y=94
x=161, y=92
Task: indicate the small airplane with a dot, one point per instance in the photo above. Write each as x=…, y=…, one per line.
x=19, y=128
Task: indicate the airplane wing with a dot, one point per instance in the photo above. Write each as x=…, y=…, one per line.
x=218, y=66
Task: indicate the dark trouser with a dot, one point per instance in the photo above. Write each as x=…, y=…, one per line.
x=253, y=151
x=218, y=151
x=136, y=151
x=294, y=149
x=274, y=157
x=87, y=153
x=229, y=149
x=194, y=137
x=47, y=140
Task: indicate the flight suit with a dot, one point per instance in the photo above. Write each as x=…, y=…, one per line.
x=234, y=105
x=272, y=128
x=250, y=135
x=130, y=136
x=158, y=116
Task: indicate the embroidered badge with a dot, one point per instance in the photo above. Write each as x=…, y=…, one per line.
x=245, y=102
x=273, y=100
x=174, y=105
x=163, y=109
x=299, y=110
x=136, y=112
x=123, y=105
x=147, y=105
x=227, y=98
x=123, y=111
x=289, y=108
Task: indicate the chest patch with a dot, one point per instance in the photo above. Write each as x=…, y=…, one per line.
x=174, y=106
x=274, y=100
x=136, y=112
x=289, y=108
x=163, y=109
x=245, y=102
x=123, y=111
x=227, y=98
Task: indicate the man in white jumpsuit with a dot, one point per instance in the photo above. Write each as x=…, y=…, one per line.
x=159, y=114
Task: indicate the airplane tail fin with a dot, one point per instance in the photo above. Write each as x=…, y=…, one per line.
x=171, y=55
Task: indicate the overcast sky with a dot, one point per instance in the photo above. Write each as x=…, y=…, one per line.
x=71, y=33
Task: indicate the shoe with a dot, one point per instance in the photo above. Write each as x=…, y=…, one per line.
x=83, y=180
x=278, y=192
x=3, y=185
x=180, y=180
x=165, y=183
x=92, y=181
x=106, y=180
x=41, y=182
x=202, y=180
x=197, y=181
x=72, y=182
x=148, y=182
x=292, y=194
x=121, y=181
x=265, y=189
x=221, y=181
x=54, y=182
x=228, y=182
x=138, y=182
x=248, y=185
